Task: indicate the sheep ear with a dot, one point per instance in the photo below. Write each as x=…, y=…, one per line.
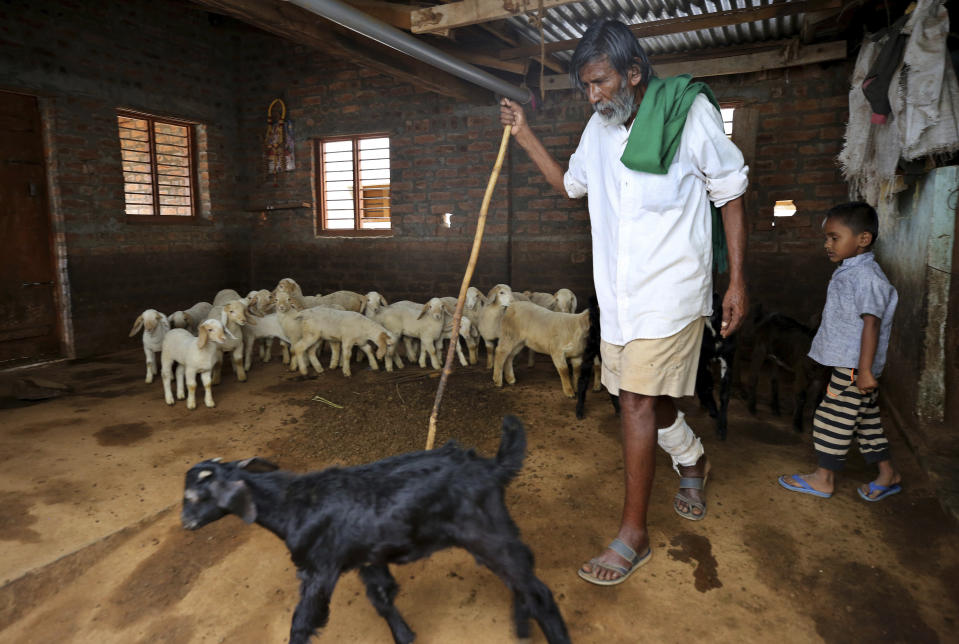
x=235, y=497
x=137, y=325
x=381, y=340
x=256, y=465
x=202, y=337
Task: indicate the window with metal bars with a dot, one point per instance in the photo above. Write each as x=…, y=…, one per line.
x=353, y=179
x=159, y=170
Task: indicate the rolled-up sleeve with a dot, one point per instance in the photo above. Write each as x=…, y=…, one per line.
x=872, y=297
x=724, y=169
x=575, y=178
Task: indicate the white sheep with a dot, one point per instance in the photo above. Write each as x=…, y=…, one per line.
x=349, y=300
x=266, y=327
x=287, y=308
x=233, y=317
x=343, y=329
x=423, y=322
x=190, y=318
x=225, y=295
x=563, y=300
x=193, y=355
x=490, y=315
x=259, y=302
x=471, y=308
x=155, y=326
x=560, y=335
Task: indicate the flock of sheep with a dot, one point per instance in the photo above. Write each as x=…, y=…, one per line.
x=194, y=341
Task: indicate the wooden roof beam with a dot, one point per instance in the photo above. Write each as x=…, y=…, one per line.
x=472, y=12
x=692, y=23
x=734, y=61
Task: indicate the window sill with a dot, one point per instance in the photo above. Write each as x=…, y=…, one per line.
x=167, y=220
x=354, y=233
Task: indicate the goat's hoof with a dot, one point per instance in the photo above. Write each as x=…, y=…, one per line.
x=170, y=401
x=210, y=404
x=148, y=379
x=191, y=406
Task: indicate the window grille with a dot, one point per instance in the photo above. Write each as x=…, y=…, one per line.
x=159, y=177
x=354, y=184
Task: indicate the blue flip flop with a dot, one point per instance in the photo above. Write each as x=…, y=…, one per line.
x=803, y=487
x=882, y=489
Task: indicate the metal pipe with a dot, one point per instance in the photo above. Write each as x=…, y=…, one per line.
x=381, y=32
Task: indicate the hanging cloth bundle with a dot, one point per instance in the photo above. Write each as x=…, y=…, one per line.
x=278, y=141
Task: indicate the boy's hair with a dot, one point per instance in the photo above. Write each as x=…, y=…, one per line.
x=614, y=40
x=858, y=216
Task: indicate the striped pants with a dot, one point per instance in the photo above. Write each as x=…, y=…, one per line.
x=843, y=414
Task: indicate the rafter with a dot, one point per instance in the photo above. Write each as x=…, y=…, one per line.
x=299, y=25
x=472, y=12
x=732, y=61
x=692, y=23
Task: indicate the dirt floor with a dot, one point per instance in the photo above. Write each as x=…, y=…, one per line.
x=92, y=548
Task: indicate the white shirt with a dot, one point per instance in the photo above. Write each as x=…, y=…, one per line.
x=652, y=233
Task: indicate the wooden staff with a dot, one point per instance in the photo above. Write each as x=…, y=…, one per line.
x=458, y=314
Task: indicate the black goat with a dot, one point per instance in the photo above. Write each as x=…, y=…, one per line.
x=784, y=342
x=590, y=354
x=396, y=510
x=716, y=348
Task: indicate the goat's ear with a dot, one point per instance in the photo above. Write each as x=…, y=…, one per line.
x=228, y=334
x=202, y=337
x=423, y=311
x=574, y=304
x=223, y=317
x=137, y=325
x=256, y=465
x=235, y=497
x=188, y=319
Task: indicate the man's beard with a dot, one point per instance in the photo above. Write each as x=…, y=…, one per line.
x=618, y=109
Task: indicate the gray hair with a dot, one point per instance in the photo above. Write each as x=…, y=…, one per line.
x=613, y=40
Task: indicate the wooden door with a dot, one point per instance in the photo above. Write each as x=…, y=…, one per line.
x=28, y=315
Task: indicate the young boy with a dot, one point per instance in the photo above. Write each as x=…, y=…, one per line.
x=852, y=338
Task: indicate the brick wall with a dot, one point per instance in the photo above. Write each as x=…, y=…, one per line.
x=801, y=122
x=85, y=60
x=442, y=154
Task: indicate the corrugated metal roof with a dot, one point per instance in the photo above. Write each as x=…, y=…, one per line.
x=571, y=21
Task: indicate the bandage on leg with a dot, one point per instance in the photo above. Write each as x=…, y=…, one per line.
x=679, y=441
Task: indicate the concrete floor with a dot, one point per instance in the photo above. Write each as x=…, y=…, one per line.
x=93, y=551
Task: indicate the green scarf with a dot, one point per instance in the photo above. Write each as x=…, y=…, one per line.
x=656, y=133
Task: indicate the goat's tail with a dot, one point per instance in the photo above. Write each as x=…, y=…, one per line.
x=512, y=449
x=589, y=355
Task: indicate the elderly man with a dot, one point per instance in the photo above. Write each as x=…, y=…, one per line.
x=651, y=159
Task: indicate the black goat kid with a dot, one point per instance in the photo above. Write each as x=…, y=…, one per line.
x=715, y=348
x=396, y=510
